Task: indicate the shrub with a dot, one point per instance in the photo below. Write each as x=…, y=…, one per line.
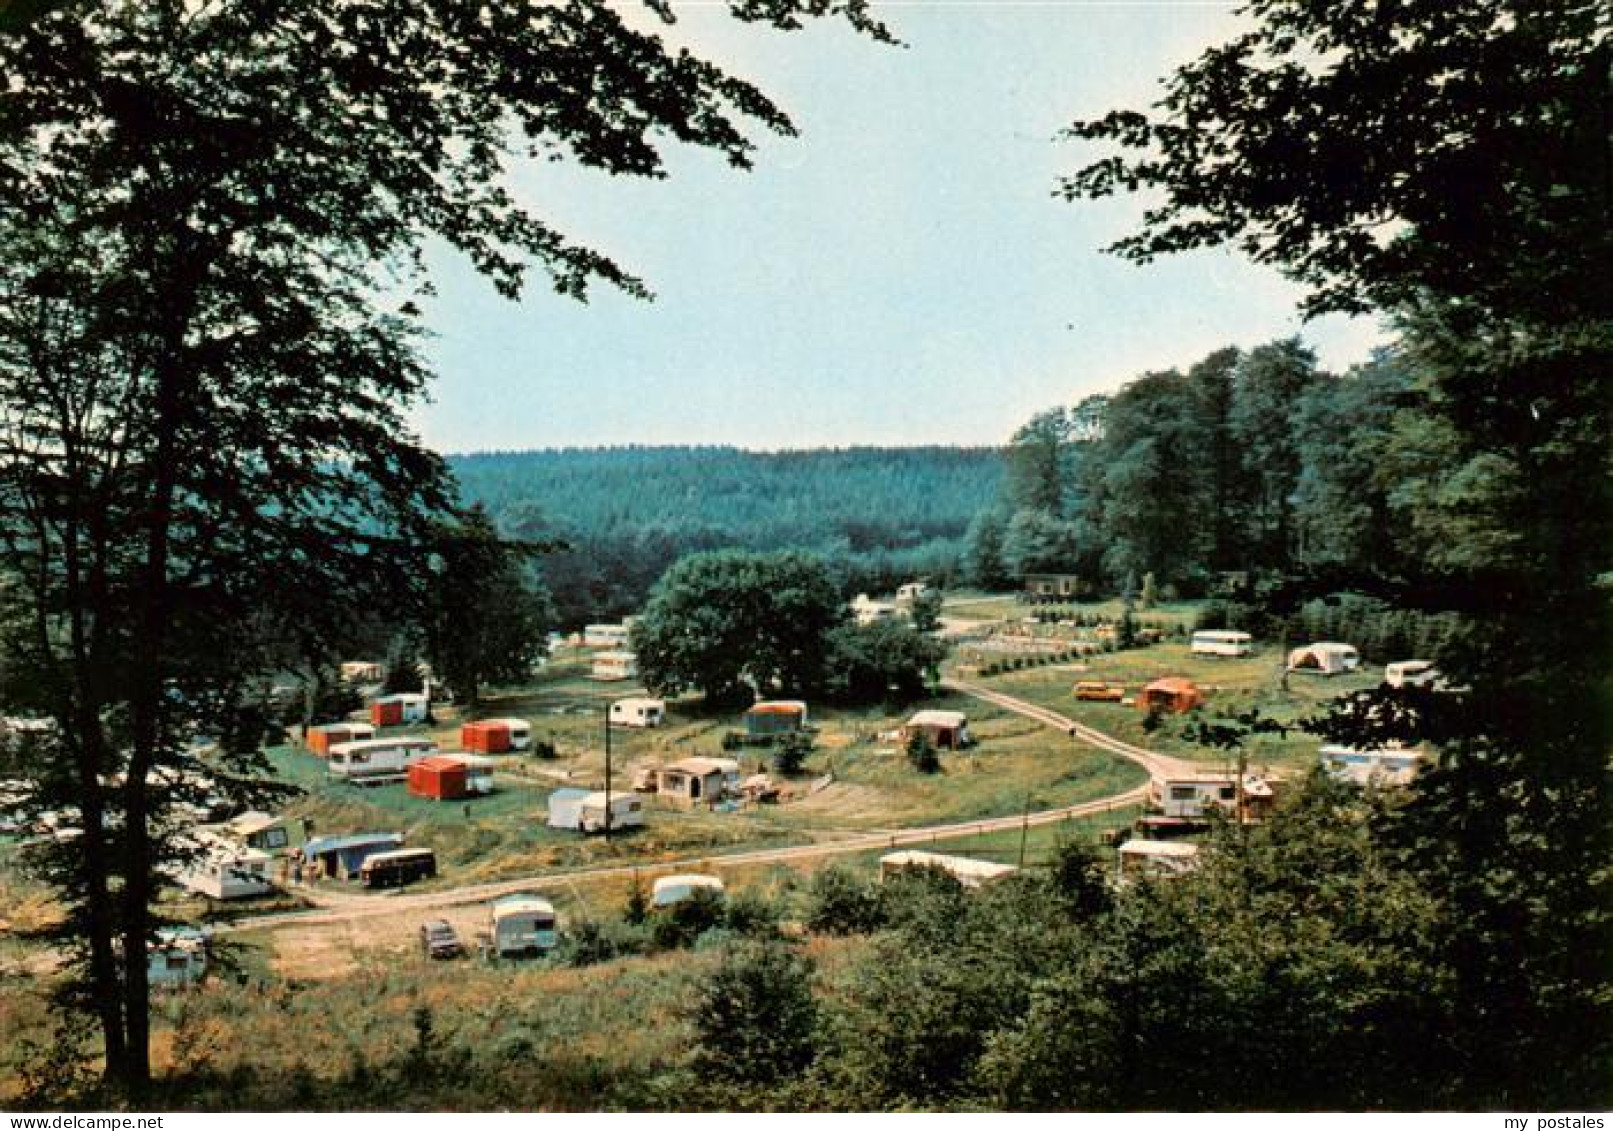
x=756, y=1019
x=922, y=754
x=790, y=753
x=681, y=924
x=841, y=902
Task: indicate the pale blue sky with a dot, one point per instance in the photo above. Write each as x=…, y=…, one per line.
x=898, y=274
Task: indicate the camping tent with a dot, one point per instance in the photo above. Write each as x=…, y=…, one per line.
x=1324, y=659
x=1173, y=693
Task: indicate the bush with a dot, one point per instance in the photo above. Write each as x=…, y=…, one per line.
x=790, y=753
x=544, y=749
x=752, y=915
x=681, y=924
x=921, y=753
x=841, y=902
x=755, y=1022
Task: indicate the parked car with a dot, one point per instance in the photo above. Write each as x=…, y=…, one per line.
x=439, y=940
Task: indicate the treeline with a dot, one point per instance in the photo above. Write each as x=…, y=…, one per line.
x=1252, y=462
x=877, y=516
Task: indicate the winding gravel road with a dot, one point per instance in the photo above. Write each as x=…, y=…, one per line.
x=350, y=907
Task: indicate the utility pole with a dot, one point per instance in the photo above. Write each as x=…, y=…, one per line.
x=608, y=805
x=1024, y=830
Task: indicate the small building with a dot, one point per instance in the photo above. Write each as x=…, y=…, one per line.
x=694, y=781
x=584, y=810
x=265, y=832
x=774, y=717
x=222, y=869
x=1173, y=694
x=320, y=739
x=496, y=736
x=341, y=857
x=912, y=591
x=669, y=891
x=450, y=777
x=638, y=712
x=1325, y=658
x=523, y=925
x=1040, y=587
x=866, y=610
x=968, y=872
x=177, y=957
x=402, y=709
x=1411, y=673
x=945, y=730
x=1199, y=796
x=614, y=666
x=1388, y=766
x=1160, y=859
x=606, y=636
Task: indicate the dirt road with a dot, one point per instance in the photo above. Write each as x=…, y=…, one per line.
x=347, y=908
x=1157, y=765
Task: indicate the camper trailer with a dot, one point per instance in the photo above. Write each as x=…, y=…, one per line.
x=1324, y=659
x=341, y=857
x=1221, y=643
x=612, y=667
x=945, y=730
x=266, y=833
x=378, y=759
x=1390, y=766
x=1160, y=859
x=606, y=635
x=638, y=712
x=398, y=867
x=363, y=671
x=774, y=717
x=693, y=781
x=399, y=710
x=912, y=591
x=523, y=925
x=968, y=872
x=866, y=610
x=669, y=891
x=584, y=810
x=496, y=736
x=221, y=869
x=176, y=958
x=321, y=738
x=1411, y=673
x=451, y=777
x=1196, y=797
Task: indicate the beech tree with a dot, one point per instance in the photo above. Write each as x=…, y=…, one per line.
x=212, y=215
x=1448, y=163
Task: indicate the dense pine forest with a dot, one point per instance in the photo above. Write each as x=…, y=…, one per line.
x=1254, y=462
x=877, y=515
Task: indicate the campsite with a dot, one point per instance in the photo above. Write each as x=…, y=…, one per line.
x=808, y=556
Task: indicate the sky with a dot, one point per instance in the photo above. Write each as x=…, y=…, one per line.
x=898, y=274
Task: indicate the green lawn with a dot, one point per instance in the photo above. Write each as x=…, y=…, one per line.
x=1232, y=685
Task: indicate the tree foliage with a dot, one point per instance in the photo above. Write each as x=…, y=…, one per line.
x=733, y=624
x=487, y=618
x=212, y=214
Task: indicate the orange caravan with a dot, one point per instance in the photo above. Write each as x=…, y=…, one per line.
x=321, y=738
x=450, y=778
x=496, y=736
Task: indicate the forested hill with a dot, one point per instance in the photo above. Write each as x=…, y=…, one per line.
x=876, y=513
